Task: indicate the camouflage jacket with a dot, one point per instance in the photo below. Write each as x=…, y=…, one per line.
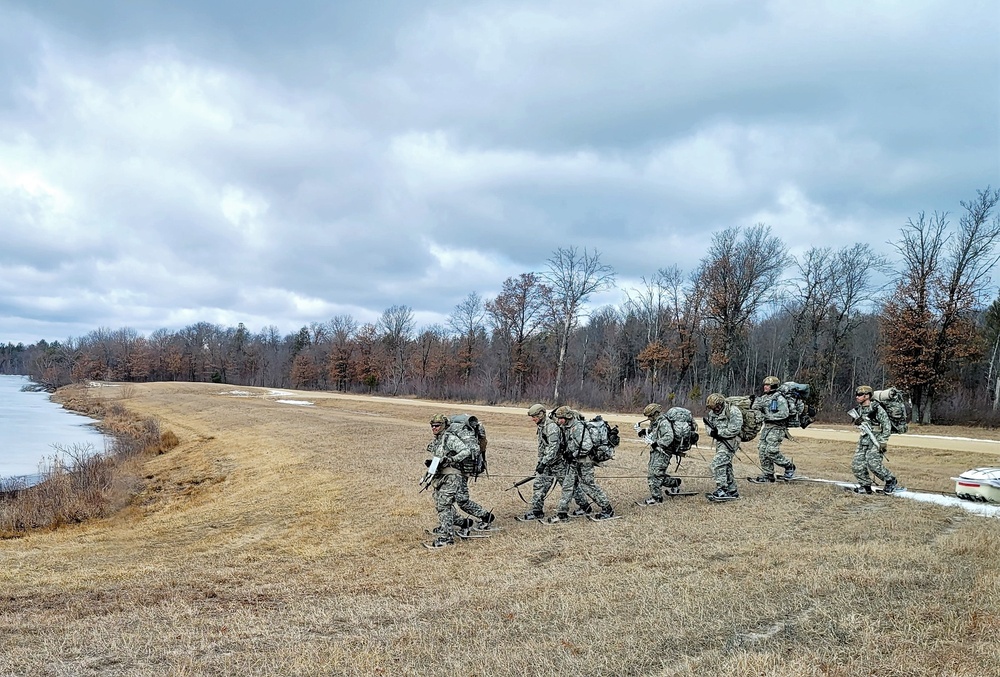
x=878, y=417
x=450, y=446
x=548, y=442
x=660, y=433
x=774, y=414
x=728, y=422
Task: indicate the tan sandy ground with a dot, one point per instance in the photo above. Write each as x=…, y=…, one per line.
x=285, y=540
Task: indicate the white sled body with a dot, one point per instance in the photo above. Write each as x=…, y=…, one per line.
x=981, y=484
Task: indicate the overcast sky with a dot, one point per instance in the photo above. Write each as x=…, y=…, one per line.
x=165, y=162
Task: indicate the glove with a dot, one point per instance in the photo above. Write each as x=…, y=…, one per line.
x=857, y=421
x=882, y=447
x=713, y=433
x=643, y=432
x=541, y=469
x=427, y=463
x=445, y=462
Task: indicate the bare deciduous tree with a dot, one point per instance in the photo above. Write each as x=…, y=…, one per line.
x=396, y=326
x=739, y=275
x=467, y=321
x=516, y=314
x=927, y=323
x=573, y=277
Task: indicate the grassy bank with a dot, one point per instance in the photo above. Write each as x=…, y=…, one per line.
x=284, y=539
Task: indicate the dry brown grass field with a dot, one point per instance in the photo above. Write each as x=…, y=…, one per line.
x=278, y=539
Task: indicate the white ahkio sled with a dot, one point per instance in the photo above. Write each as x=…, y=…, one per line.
x=981, y=484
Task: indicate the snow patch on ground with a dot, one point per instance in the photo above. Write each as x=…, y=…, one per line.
x=237, y=393
x=98, y=384
x=984, y=509
x=299, y=402
x=279, y=393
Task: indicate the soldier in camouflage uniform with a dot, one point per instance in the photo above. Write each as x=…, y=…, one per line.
x=661, y=441
x=450, y=485
x=776, y=411
x=551, y=467
x=724, y=423
x=579, y=473
x=869, y=456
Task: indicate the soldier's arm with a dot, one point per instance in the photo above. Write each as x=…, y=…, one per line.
x=664, y=434
x=454, y=449
x=733, y=423
x=549, y=450
x=884, y=423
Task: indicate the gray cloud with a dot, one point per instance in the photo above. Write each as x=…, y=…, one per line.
x=163, y=163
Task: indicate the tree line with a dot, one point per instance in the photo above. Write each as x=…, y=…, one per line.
x=832, y=318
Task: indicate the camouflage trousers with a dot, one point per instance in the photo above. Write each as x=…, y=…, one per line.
x=868, y=457
x=657, y=475
x=543, y=485
x=466, y=503
x=579, y=477
x=446, y=488
x=769, y=448
x=722, y=464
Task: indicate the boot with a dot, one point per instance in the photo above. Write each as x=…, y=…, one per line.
x=485, y=522
x=890, y=485
x=580, y=512
x=558, y=517
x=721, y=494
x=652, y=500
x=862, y=489
x=733, y=493
x=789, y=472
x=442, y=542
x=763, y=479
x=533, y=515
x=605, y=514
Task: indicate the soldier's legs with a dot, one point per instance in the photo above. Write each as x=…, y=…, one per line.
x=657, y=474
x=588, y=483
x=465, y=502
x=722, y=467
x=769, y=449
x=874, y=461
x=541, y=487
x=859, y=464
x=444, y=502
x=570, y=487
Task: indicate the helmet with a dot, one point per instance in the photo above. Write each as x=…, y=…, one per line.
x=564, y=412
x=652, y=410
x=439, y=419
x=715, y=401
x=536, y=410
x=771, y=381
x=863, y=390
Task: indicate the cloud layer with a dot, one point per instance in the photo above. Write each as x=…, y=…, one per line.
x=168, y=163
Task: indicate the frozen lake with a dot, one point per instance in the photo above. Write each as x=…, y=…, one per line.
x=31, y=426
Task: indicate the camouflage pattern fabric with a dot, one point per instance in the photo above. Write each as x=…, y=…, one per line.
x=446, y=488
x=579, y=475
x=661, y=433
x=769, y=448
x=774, y=407
x=449, y=483
x=465, y=501
x=867, y=456
x=728, y=424
x=555, y=466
